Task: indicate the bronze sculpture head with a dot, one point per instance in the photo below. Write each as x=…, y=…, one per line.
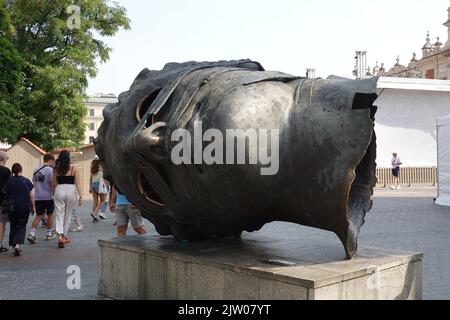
x=319, y=136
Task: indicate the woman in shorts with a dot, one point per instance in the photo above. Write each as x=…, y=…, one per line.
x=97, y=189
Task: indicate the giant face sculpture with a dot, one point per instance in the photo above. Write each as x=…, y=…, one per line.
x=324, y=145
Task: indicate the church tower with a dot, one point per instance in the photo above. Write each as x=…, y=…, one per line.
x=447, y=24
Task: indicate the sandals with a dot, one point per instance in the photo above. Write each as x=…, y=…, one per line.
x=3, y=249
x=94, y=217
x=77, y=229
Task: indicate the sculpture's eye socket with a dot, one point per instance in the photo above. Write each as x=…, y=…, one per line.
x=144, y=105
x=146, y=189
x=364, y=100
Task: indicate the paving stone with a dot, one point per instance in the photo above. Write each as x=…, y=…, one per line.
x=405, y=220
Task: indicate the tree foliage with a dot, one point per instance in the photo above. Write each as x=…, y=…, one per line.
x=10, y=79
x=48, y=59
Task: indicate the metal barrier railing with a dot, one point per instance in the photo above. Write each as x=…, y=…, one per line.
x=409, y=176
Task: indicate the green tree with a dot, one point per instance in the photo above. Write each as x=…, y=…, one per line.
x=10, y=80
x=59, y=49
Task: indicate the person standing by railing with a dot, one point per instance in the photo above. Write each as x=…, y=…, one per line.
x=396, y=163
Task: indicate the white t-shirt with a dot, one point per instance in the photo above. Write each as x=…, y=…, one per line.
x=396, y=162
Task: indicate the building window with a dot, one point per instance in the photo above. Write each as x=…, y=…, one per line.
x=91, y=140
x=92, y=112
x=92, y=126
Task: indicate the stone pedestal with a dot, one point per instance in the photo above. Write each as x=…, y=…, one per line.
x=259, y=268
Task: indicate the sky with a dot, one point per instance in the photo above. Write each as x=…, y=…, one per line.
x=283, y=35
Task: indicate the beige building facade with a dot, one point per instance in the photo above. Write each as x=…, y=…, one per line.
x=434, y=64
x=29, y=155
x=94, y=118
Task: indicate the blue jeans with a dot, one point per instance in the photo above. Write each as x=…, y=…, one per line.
x=95, y=186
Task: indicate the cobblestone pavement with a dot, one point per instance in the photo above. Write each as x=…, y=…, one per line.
x=406, y=220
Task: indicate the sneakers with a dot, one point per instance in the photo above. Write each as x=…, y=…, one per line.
x=17, y=251
x=51, y=237
x=31, y=239
x=102, y=216
x=44, y=222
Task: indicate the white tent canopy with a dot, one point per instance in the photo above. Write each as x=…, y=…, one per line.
x=405, y=122
x=443, y=140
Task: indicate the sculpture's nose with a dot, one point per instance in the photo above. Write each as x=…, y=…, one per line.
x=150, y=142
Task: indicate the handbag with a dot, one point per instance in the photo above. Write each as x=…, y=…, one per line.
x=102, y=187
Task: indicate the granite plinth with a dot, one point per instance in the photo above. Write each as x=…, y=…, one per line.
x=253, y=268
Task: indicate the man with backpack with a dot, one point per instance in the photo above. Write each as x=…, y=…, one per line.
x=42, y=179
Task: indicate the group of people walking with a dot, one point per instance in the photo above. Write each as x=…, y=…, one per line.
x=54, y=192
